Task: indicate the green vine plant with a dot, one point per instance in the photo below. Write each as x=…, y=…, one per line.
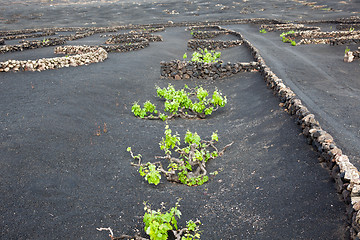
x=347, y=49
x=158, y=224
x=286, y=39
x=263, y=30
x=189, y=167
x=185, y=103
x=204, y=56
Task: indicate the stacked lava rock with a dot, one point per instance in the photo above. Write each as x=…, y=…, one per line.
x=130, y=41
x=84, y=55
x=332, y=38
x=22, y=36
x=357, y=54
x=212, y=44
x=32, y=45
x=150, y=29
x=205, y=34
x=287, y=27
x=126, y=47
x=346, y=26
x=133, y=38
x=177, y=69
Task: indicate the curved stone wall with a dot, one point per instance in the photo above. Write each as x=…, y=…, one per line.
x=212, y=44
x=133, y=37
x=178, y=70
x=32, y=45
x=84, y=55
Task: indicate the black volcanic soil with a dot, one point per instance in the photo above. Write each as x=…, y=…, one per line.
x=59, y=180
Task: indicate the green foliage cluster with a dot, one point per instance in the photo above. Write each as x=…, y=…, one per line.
x=179, y=103
x=284, y=34
x=159, y=223
x=204, y=56
x=199, y=154
x=287, y=39
x=347, y=49
x=150, y=173
x=326, y=9
x=189, y=167
x=263, y=30
x=192, y=32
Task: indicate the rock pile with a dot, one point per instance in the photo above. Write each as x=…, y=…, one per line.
x=84, y=55
x=352, y=55
x=212, y=44
x=178, y=70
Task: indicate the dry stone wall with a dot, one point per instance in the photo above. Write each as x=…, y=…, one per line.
x=151, y=29
x=344, y=173
x=332, y=38
x=84, y=55
x=205, y=34
x=178, y=70
x=22, y=36
x=346, y=26
x=212, y=44
x=126, y=47
x=32, y=45
x=133, y=37
x=287, y=27
x=318, y=34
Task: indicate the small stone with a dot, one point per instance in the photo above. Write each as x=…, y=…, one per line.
x=351, y=174
x=177, y=77
x=349, y=57
x=355, y=191
x=327, y=138
x=355, y=201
